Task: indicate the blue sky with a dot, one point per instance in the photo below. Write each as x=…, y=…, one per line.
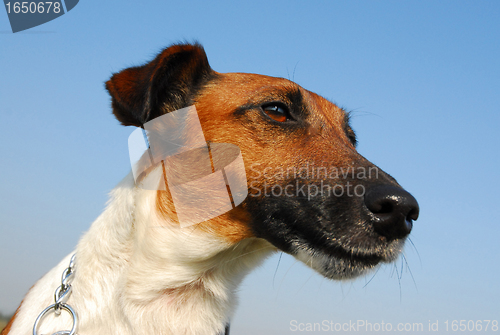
x=423, y=80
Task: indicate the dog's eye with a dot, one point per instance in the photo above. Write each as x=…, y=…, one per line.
x=278, y=112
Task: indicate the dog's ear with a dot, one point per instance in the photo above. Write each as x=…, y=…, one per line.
x=167, y=83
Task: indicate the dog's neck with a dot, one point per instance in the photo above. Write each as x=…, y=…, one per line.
x=137, y=274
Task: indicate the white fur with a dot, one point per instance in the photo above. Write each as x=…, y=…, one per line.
x=137, y=274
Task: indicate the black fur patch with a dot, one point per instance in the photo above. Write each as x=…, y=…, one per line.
x=339, y=227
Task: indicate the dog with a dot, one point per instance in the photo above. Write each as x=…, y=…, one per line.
x=310, y=194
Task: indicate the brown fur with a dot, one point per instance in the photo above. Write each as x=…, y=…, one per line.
x=6, y=330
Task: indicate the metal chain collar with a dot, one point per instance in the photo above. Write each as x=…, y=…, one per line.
x=61, y=297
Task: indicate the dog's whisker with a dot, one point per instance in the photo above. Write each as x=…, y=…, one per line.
x=373, y=276
x=248, y=253
x=402, y=268
x=294, y=68
x=277, y=266
x=409, y=270
x=416, y=250
x=345, y=294
x=287, y=271
x=293, y=73
x=399, y=283
x=392, y=271
x=353, y=113
x=304, y=284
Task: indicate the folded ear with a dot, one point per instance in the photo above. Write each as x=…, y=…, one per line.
x=167, y=83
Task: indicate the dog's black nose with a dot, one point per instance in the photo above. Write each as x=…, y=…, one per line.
x=393, y=210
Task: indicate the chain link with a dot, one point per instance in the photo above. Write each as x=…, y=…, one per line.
x=61, y=296
x=64, y=291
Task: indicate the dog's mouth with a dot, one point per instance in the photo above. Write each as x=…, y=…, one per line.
x=335, y=254
x=340, y=238
x=337, y=262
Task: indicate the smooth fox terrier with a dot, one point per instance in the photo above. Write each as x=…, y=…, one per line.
x=310, y=194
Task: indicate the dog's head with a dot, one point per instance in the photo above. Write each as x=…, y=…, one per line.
x=311, y=194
